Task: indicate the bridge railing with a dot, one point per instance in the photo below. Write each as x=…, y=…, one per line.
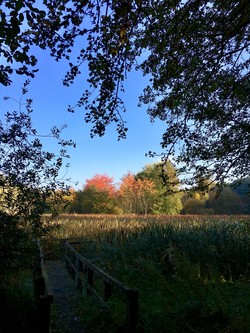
x=84, y=273
x=42, y=291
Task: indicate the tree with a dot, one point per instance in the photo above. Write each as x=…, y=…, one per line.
x=136, y=195
x=227, y=203
x=195, y=52
x=14, y=46
x=93, y=201
x=67, y=199
x=102, y=182
x=200, y=84
x=29, y=177
x=145, y=195
x=145, y=192
x=76, y=205
x=167, y=193
x=97, y=197
x=127, y=193
x=242, y=188
x=195, y=202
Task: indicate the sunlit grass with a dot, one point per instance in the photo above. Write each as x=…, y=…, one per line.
x=77, y=225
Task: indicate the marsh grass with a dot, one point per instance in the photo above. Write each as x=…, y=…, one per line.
x=192, y=272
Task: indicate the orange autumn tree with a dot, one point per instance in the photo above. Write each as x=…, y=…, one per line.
x=136, y=195
x=146, y=192
x=127, y=193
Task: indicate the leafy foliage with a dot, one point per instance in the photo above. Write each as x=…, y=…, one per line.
x=146, y=193
x=15, y=245
x=167, y=194
x=156, y=190
x=242, y=187
x=127, y=193
x=18, y=310
x=29, y=176
x=93, y=201
x=15, y=44
x=136, y=195
x=98, y=196
x=143, y=193
x=200, y=82
x=196, y=54
x=228, y=202
x=231, y=200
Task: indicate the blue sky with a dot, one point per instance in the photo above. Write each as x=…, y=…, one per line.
x=91, y=155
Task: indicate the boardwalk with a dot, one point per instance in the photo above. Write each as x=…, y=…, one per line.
x=65, y=318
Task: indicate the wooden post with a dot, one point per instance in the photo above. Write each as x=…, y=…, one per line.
x=44, y=314
x=62, y=249
x=67, y=258
x=73, y=273
x=90, y=280
x=40, y=286
x=132, y=310
x=107, y=291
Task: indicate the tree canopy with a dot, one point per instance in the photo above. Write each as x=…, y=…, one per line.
x=195, y=54
x=168, y=195
x=101, y=182
x=142, y=193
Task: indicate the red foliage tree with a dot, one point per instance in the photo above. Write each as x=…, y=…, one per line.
x=102, y=182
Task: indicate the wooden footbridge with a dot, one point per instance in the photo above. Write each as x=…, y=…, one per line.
x=61, y=283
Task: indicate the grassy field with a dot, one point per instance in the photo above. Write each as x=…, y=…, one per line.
x=192, y=272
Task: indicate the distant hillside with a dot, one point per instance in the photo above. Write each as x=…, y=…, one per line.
x=241, y=188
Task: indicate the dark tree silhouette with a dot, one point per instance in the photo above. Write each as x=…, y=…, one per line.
x=196, y=53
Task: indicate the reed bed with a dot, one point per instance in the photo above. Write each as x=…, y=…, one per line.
x=68, y=226
x=192, y=272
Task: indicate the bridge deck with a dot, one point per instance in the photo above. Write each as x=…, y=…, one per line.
x=66, y=295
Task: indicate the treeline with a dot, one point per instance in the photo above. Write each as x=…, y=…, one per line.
x=154, y=190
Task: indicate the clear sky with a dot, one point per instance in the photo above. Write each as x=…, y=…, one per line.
x=91, y=155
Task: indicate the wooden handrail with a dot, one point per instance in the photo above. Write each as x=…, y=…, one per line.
x=48, y=289
x=78, y=265
x=43, y=292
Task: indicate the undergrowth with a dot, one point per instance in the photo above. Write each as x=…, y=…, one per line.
x=17, y=309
